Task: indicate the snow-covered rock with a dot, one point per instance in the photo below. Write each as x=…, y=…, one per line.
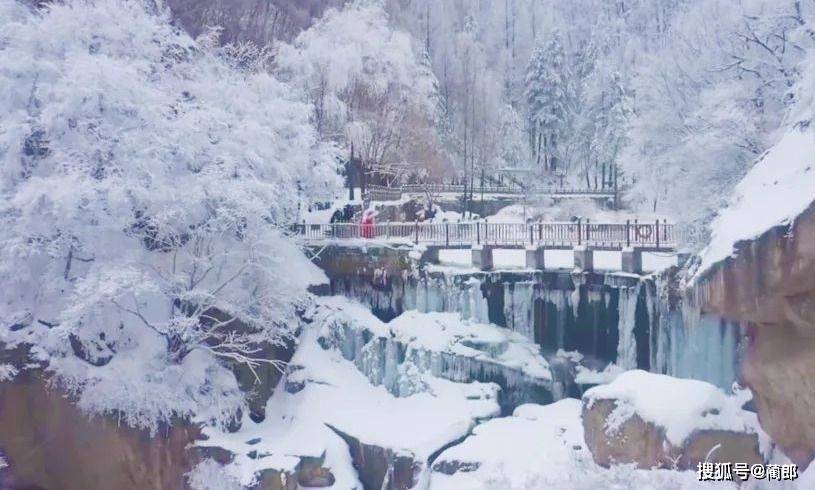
x=540, y=447
x=395, y=354
x=654, y=420
x=330, y=405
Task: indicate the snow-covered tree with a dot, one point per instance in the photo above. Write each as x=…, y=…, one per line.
x=548, y=98
x=369, y=85
x=514, y=150
x=709, y=100
x=146, y=185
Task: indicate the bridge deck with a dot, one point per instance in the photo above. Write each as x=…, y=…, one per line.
x=656, y=236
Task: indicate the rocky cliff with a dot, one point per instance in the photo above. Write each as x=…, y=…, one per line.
x=770, y=283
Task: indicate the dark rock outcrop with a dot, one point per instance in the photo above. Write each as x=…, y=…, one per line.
x=379, y=467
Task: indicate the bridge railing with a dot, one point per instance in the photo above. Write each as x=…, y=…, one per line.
x=500, y=189
x=657, y=234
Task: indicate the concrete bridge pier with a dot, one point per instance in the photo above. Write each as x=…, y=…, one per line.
x=632, y=260
x=430, y=255
x=535, y=257
x=482, y=257
x=583, y=258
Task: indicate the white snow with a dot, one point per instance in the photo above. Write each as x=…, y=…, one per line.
x=448, y=333
x=7, y=372
x=338, y=394
x=585, y=375
x=542, y=447
x=678, y=405
x=778, y=188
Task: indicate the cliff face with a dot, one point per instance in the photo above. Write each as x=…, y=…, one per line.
x=49, y=443
x=770, y=283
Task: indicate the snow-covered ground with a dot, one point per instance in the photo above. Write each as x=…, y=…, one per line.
x=542, y=447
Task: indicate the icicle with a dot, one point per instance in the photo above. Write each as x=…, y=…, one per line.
x=627, y=344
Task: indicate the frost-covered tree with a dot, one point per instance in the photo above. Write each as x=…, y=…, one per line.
x=369, y=84
x=146, y=184
x=514, y=150
x=709, y=100
x=548, y=98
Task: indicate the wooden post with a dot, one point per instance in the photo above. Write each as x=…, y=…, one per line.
x=416, y=229
x=531, y=235
x=587, y=229
x=540, y=231
x=636, y=231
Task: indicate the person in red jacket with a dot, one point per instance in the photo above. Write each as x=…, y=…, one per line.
x=366, y=229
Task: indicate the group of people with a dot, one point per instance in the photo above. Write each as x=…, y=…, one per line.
x=346, y=215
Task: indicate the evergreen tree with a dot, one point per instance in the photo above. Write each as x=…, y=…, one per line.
x=547, y=97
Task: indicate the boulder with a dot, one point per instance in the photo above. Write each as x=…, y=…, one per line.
x=655, y=421
x=271, y=479
x=380, y=467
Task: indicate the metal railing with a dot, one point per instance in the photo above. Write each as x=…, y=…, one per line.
x=656, y=235
x=384, y=193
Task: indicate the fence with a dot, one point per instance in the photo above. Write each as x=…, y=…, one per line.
x=655, y=235
x=383, y=193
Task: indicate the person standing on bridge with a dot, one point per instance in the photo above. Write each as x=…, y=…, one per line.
x=366, y=229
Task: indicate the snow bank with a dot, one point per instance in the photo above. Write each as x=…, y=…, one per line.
x=778, y=188
x=541, y=446
x=680, y=406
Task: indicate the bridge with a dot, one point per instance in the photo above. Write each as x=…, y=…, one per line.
x=631, y=238
x=384, y=193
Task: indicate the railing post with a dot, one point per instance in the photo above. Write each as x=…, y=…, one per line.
x=540, y=231
x=628, y=233
x=665, y=230
x=587, y=230
x=388, y=230
x=579, y=232
x=447, y=233
x=478, y=233
x=657, y=232
x=636, y=230
x=531, y=235
x=416, y=231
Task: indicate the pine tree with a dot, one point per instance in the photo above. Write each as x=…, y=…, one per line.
x=547, y=97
